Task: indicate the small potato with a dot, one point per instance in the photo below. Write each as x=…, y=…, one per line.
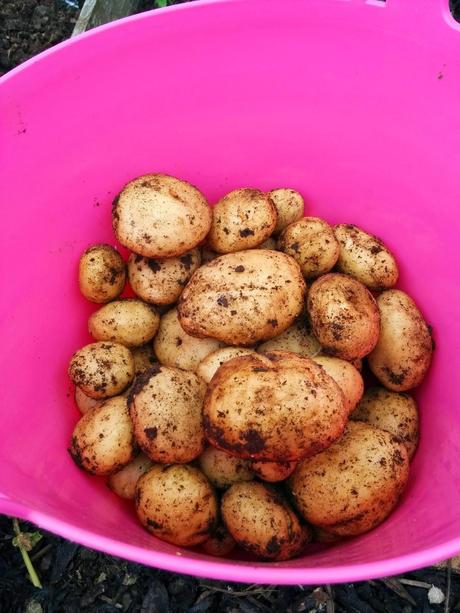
x=208, y=367
x=129, y=322
x=84, y=402
x=365, y=258
x=177, y=504
x=346, y=376
x=161, y=281
x=396, y=413
x=123, y=483
x=298, y=338
x=289, y=206
x=242, y=219
x=344, y=316
x=102, y=273
x=262, y=522
x=166, y=409
x=221, y=543
x=222, y=469
x=144, y=358
x=174, y=347
x=159, y=216
x=242, y=298
x=403, y=353
x=312, y=244
x=103, y=441
x=354, y=485
x=273, y=471
x=102, y=369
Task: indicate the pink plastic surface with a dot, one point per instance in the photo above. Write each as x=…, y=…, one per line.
x=354, y=103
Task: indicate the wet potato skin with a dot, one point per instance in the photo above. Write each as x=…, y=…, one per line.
x=101, y=273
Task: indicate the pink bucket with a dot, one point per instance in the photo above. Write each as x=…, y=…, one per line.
x=354, y=103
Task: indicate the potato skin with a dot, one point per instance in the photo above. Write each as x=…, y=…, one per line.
x=221, y=543
x=344, y=316
x=365, y=258
x=84, y=402
x=298, y=338
x=242, y=298
x=346, y=376
x=123, y=482
x=103, y=441
x=391, y=411
x=273, y=471
x=242, y=219
x=222, y=469
x=353, y=486
x=289, y=206
x=177, y=504
x=278, y=407
x=208, y=367
x=402, y=356
x=101, y=273
x=261, y=521
x=144, y=358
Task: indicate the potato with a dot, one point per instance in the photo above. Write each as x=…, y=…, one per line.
x=222, y=469
x=278, y=407
x=298, y=338
x=144, y=358
x=270, y=243
x=344, y=316
x=129, y=322
x=207, y=255
x=208, y=367
x=174, y=347
x=102, y=273
x=123, y=483
x=261, y=521
x=289, y=206
x=396, y=413
x=161, y=281
x=102, y=441
x=365, y=258
x=177, y=504
x=324, y=537
x=166, y=409
x=273, y=471
x=312, y=244
x=102, y=369
x=159, y=216
x=355, y=484
x=346, y=376
x=221, y=543
x=403, y=353
x=242, y=219
x=84, y=402
x=242, y=298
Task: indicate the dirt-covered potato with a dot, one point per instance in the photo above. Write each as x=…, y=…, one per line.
x=177, y=504
x=347, y=377
x=103, y=441
x=262, y=522
x=365, y=258
x=84, y=402
x=391, y=411
x=273, y=471
x=129, y=322
x=242, y=219
x=244, y=297
x=277, y=406
x=298, y=338
x=159, y=216
x=144, y=358
x=208, y=367
x=174, y=347
x=355, y=484
x=161, y=281
x=289, y=206
x=102, y=273
x=221, y=543
x=403, y=353
x=312, y=244
x=222, y=469
x=166, y=409
x=102, y=369
x=123, y=482
x=344, y=316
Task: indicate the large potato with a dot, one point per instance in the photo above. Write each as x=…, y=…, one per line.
x=298, y=338
x=222, y=469
x=402, y=356
x=262, y=522
x=278, y=406
x=242, y=219
x=84, y=402
x=347, y=377
x=103, y=441
x=174, y=347
x=177, y=504
x=209, y=366
x=273, y=471
x=353, y=486
x=159, y=216
x=365, y=258
x=102, y=369
x=123, y=482
x=102, y=273
x=289, y=206
x=166, y=408
x=244, y=297
x=344, y=316
x=396, y=413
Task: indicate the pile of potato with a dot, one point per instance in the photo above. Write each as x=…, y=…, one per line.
x=226, y=398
